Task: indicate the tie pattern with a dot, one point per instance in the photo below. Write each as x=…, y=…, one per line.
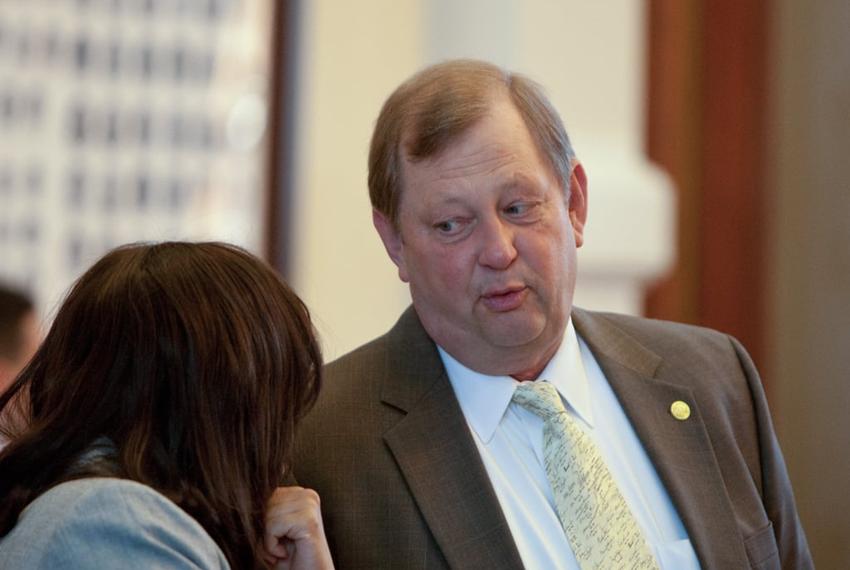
x=601, y=529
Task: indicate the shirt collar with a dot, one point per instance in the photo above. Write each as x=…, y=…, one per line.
x=484, y=398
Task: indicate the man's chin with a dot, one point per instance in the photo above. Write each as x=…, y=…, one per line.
x=512, y=331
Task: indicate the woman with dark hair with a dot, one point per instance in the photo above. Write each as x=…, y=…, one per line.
x=155, y=422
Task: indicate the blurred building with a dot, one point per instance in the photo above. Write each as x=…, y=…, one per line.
x=127, y=120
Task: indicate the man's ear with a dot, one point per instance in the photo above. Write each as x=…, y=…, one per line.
x=392, y=242
x=577, y=206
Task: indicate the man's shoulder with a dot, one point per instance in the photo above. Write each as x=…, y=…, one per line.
x=357, y=375
x=371, y=355
x=668, y=347
x=405, y=346
x=678, y=353
x=397, y=367
x=361, y=396
x=655, y=334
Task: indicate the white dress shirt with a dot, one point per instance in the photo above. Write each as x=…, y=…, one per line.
x=510, y=441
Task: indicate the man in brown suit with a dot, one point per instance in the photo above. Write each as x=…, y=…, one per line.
x=481, y=204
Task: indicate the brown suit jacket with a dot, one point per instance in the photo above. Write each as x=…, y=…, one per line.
x=402, y=484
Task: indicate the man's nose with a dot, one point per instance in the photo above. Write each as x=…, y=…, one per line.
x=497, y=249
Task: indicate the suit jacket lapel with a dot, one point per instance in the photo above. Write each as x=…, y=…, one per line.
x=680, y=450
x=439, y=460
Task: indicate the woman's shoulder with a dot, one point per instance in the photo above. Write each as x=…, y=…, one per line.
x=109, y=523
x=108, y=495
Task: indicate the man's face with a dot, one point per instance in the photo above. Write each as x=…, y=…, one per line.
x=487, y=241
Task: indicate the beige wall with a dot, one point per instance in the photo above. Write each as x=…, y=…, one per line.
x=351, y=55
x=810, y=141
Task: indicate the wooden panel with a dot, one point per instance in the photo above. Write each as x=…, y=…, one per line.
x=278, y=198
x=732, y=243
x=673, y=139
x=705, y=122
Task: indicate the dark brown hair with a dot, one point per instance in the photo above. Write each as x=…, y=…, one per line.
x=14, y=306
x=195, y=360
x=438, y=104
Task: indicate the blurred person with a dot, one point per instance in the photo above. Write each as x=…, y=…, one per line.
x=160, y=414
x=19, y=334
x=498, y=426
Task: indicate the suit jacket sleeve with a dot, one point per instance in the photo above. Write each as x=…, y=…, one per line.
x=776, y=487
x=109, y=524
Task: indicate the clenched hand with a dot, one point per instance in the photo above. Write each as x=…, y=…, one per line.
x=294, y=537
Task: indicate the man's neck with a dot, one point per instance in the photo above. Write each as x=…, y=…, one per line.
x=527, y=377
x=522, y=368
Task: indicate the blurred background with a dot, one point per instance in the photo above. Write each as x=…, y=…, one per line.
x=714, y=134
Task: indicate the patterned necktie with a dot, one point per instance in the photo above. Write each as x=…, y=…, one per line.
x=601, y=529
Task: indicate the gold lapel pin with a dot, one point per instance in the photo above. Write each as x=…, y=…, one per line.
x=680, y=410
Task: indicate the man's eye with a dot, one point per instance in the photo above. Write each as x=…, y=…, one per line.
x=517, y=209
x=447, y=226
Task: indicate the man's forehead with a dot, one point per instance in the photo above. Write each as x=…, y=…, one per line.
x=450, y=123
x=494, y=141
x=459, y=160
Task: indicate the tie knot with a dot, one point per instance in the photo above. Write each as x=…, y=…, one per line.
x=540, y=398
